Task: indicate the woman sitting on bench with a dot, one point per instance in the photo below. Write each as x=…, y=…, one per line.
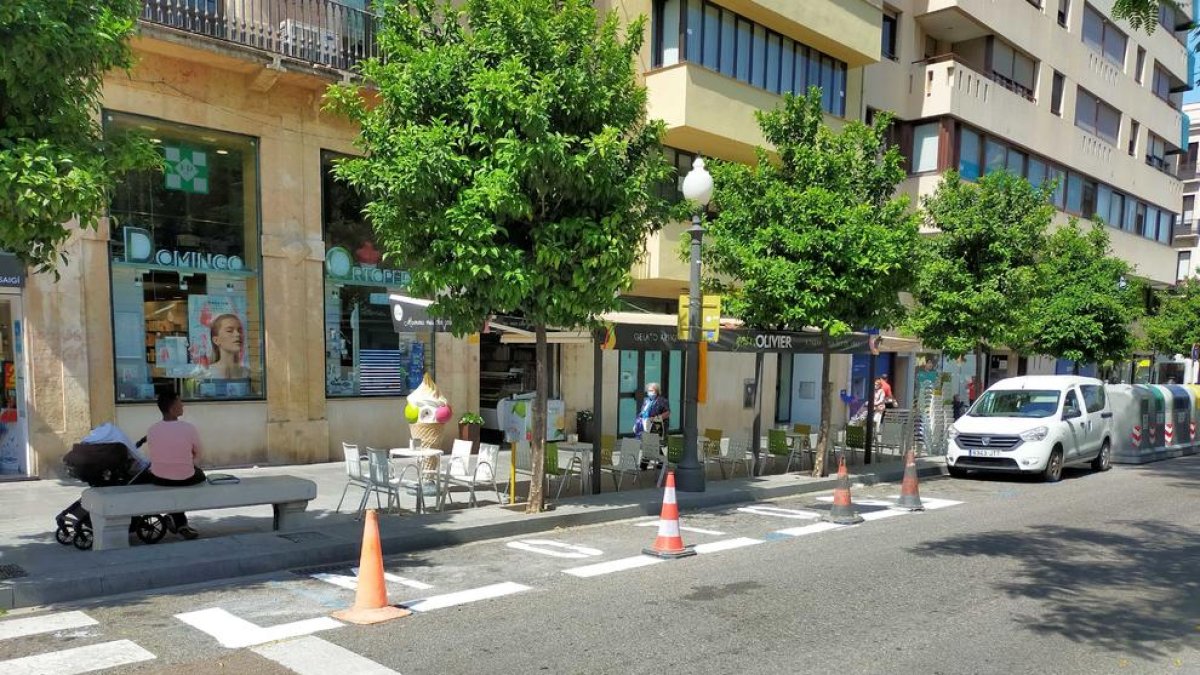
x=175, y=455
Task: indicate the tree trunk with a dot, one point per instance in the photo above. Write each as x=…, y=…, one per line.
x=819, y=469
x=537, y=439
x=756, y=429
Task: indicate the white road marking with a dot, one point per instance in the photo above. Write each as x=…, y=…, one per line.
x=683, y=528
x=403, y=581
x=613, y=566
x=463, y=597
x=880, y=515
x=351, y=582
x=78, y=660
x=235, y=633
x=311, y=655
x=809, y=529
x=726, y=544
x=547, y=546
x=860, y=502
x=338, y=580
x=932, y=504
x=47, y=623
x=780, y=512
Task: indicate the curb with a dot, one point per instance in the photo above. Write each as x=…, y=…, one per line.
x=258, y=553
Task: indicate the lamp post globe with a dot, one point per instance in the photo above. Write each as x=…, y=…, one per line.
x=698, y=190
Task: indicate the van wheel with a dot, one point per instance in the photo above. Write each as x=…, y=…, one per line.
x=1054, y=466
x=1103, y=461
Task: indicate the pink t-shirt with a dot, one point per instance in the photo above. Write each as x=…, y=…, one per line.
x=174, y=449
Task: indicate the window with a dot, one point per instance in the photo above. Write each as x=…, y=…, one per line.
x=1104, y=196
x=1016, y=162
x=1056, y=94
x=1035, y=3
x=1096, y=116
x=1103, y=37
x=184, y=262
x=1074, y=193
x=672, y=189
x=364, y=356
x=1140, y=66
x=1036, y=173
x=1116, y=211
x=1087, y=207
x=1165, y=219
x=1060, y=187
x=1161, y=86
x=1189, y=204
x=888, y=47
x=1139, y=219
x=722, y=41
x=1183, y=266
x=968, y=154
x=1012, y=69
x=1134, y=129
x=1156, y=152
x=1064, y=9
x=1093, y=397
x=995, y=156
x=1151, y=227
x=925, y=147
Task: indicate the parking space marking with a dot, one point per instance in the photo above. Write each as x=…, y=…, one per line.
x=762, y=510
x=311, y=655
x=234, y=632
x=547, y=546
x=341, y=580
x=403, y=581
x=726, y=544
x=47, y=623
x=828, y=499
x=78, y=659
x=682, y=528
x=880, y=515
x=933, y=504
x=619, y=565
x=463, y=597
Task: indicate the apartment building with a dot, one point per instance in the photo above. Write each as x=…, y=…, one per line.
x=1187, y=229
x=1046, y=89
x=246, y=278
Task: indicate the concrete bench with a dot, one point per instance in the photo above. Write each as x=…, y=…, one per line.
x=112, y=507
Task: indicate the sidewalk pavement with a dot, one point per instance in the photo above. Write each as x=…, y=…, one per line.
x=37, y=570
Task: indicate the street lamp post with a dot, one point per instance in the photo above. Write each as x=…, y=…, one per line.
x=697, y=189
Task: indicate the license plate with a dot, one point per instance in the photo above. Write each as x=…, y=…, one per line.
x=985, y=453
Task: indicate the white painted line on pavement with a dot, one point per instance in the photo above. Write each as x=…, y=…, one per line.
x=684, y=528
x=311, y=655
x=47, y=623
x=547, y=546
x=463, y=597
x=780, y=512
x=933, y=504
x=338, y=580
x=860, y=502
x=235, y=633
x=78, y=660
x=809, y=529
x=403, y=581
x=880, y=515
x=726, y=544
x=613, y=566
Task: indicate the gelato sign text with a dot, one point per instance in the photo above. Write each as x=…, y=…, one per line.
x=139, y=248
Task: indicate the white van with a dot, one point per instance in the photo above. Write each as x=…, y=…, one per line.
x=1034, y=424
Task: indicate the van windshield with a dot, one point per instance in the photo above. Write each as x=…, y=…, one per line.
x=1016, y=403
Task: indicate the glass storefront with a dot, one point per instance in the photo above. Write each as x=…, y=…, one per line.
x=186, y=287
x=364, y=356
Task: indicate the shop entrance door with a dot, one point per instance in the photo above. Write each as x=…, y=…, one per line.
x=640, y=368
x=14, y=446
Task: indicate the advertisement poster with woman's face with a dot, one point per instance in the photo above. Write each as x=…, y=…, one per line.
x=217, y=333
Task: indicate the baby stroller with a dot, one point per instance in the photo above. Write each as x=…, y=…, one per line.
x=103, y=459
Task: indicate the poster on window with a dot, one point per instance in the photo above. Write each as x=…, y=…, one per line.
x=217, y=336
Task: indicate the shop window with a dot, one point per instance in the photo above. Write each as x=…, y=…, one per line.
x=364, y=355
x=185, y=261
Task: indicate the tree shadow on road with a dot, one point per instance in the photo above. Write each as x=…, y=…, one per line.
x=1183, y=472
x=1132, y=588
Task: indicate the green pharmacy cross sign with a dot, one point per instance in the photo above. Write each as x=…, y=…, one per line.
x=187, y=169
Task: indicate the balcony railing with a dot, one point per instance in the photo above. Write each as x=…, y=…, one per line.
x=318, y=31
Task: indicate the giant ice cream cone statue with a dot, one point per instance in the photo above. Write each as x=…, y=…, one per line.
x=427, y=413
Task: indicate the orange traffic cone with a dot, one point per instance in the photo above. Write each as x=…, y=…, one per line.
x=669, y=544
x=842, y=512
x=370, y=601
x=910, y=494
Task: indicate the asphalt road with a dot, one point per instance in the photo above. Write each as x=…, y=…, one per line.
x=1097, y=574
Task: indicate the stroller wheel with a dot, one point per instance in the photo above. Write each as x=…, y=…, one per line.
x=83, y=539
x=63, y=535
x=150, y=529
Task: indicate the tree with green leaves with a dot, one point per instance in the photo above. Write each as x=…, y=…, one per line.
x=508, y=162
x=1173, y=327
x=977, y=277
x=1086, y=303
x=56, y=164
x=1141, y=14
x=813, y=235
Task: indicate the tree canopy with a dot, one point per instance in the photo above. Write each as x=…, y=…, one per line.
x=508, y=161
x=979, y=274
x=814, y=234
x=55, y=161
x=1141, y=14
x=1173, y=327
x=1087, y=301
